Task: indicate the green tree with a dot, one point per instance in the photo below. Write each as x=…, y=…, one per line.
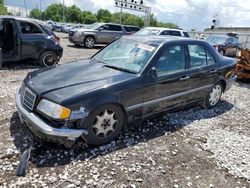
x=3, y=9
x=88, y=17
x=73, y=14
x=35, y=13
x=55, y=12
x=103, y=15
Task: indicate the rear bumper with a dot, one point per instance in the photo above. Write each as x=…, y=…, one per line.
x=229, y=82
x=44, y=131
x=59, y=51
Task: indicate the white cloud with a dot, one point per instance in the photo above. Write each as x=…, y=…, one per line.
x=185, y=13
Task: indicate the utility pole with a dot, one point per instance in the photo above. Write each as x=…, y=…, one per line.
x=121, y=14
x=41, y=11
x=25, y=5
x=63, y=11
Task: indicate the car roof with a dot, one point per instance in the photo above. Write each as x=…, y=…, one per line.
x=160, y=39
x=164, y=28
x=22, y=19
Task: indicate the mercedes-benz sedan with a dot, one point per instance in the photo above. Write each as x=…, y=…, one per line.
x=131, y=79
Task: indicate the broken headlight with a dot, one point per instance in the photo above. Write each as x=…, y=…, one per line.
x=53, y=110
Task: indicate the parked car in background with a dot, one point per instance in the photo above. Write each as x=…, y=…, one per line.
x=98, y=33
x=132, y=79
x=130, y=29
x=225, y=45
x=162, y=31
x=50, y=24
x=66, y=28
x=58, y=27
x=24, y=38
x=76, y=27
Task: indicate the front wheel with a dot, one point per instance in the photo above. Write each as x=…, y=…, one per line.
x=89, y=42
x=214, y=96
x=103, y=124
x=48, y=58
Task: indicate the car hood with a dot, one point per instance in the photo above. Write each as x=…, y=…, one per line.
x=72, y=79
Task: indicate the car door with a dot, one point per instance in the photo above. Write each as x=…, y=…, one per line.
x=115, y=31
x=32, y=39
x=203, y=70
x=168, y=89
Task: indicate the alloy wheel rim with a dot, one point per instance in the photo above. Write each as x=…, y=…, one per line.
x=89, y=42
x=215, y=95
x=105, y=123
x=49, y=60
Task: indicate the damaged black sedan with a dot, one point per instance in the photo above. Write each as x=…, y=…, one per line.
x=131, y=79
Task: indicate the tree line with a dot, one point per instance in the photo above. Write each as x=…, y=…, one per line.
x=3, y=9
x=73, y=14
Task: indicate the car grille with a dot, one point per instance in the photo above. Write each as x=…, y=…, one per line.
x=29, y=98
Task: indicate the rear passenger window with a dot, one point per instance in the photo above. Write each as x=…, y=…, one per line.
x=170, y=32
x=210, y=59
x=127, y=29
x=199, y=57
x=29, y=28
x=114, y=28
x=164, y=33
x=171, y=60
x=186, y=34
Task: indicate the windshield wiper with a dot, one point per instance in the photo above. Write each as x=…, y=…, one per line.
x=120, y=69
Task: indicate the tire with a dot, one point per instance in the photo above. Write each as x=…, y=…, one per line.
x=48, y=58
x=89, y=42
x=214, y=96
x=103, y=124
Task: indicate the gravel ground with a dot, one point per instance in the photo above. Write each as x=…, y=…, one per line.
x=191, y=148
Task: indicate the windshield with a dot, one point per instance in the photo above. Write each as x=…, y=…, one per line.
x=217, y=39
x=148, y=32
x=94, y=26
x=127, y=54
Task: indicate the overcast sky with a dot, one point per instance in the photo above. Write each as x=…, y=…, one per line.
x=187, y=14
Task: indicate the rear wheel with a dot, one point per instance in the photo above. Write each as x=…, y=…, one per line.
x=103, y=124
x=48, y=58
x=214, y=96
x=89, y=42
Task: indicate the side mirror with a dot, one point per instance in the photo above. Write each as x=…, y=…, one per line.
x=153, y=73
x=101, y=29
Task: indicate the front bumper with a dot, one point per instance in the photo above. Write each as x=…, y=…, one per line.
x=44, y=131
x=76, y=39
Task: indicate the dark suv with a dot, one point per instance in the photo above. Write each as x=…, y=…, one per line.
x=23, y=38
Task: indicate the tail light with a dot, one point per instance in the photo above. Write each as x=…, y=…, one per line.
x=57, y=40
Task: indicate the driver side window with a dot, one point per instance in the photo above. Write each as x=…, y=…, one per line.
x=171, y=60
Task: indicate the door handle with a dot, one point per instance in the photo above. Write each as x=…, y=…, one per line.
x=184, y=78
x=213, y=71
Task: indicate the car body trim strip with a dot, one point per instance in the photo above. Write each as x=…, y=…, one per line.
x=167, y=97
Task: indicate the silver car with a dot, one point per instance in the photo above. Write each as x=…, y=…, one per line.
x=98, y=33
